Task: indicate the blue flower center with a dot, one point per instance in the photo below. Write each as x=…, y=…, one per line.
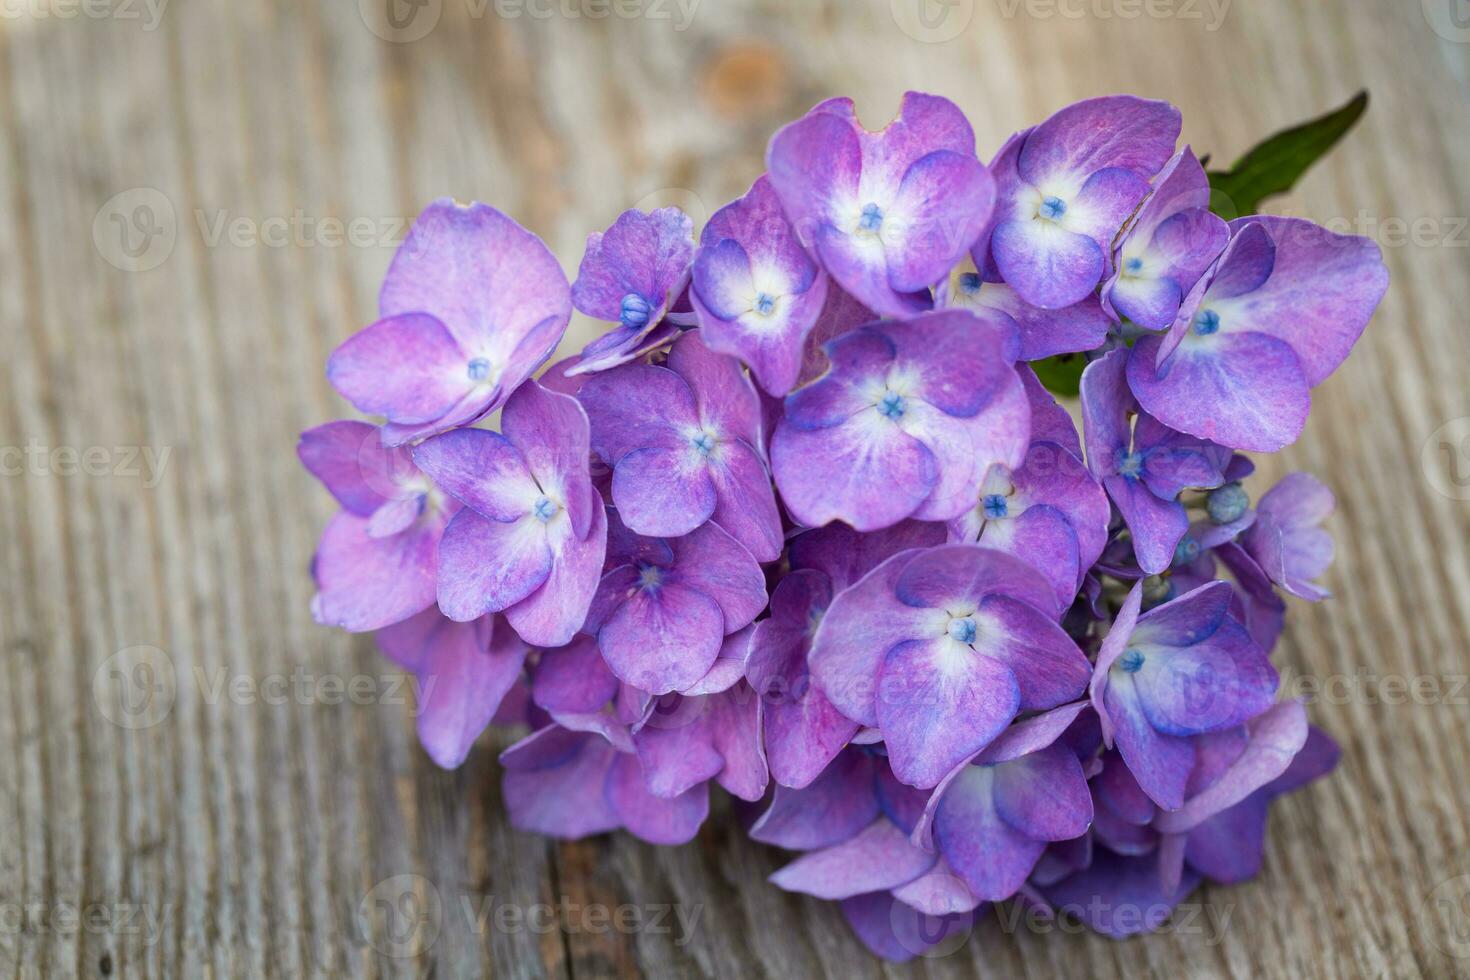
x=635, y=311
x=545, y=509
x=1131, y=661
x=1053, y=208
x=871, y=219
x=1133, y=266
x=1186, y=551
x=765, y=304
x=1227, y=504
x=892, y=406
x=969, y=283
x=650, y=577
x=478, y=369
x=962, y=629
x=704, y=442
x=1206, y=322
x=995, y=506
x=1131, y=465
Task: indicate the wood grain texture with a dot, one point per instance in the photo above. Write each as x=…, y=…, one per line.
x=243, y=833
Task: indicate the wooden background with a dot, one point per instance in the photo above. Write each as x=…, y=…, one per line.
x=241, y=833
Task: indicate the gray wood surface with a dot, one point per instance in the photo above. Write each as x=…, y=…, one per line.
x=164, y=813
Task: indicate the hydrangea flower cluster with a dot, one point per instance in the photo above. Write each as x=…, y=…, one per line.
x=805, y=525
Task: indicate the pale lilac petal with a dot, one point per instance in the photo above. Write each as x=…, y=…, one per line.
x=354, y=467
x=866, y=472
x=1112, y=131
x=1275, y=738
x=1244, y=390
x=552, y=433
x=406, y=368
x=483, y=470
x=552, y=614
x=735, y=730
x=1049, y=266
x=1048, y=666
x=486, y=566
x=365, y=583
x=938, y=703
x=1322, y=291
x=939, y=577
x=879, y=857
x=943, y=203
x=489, y=281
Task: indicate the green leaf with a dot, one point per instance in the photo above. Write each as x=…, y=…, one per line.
x=1061, y=375
x=1276, y=164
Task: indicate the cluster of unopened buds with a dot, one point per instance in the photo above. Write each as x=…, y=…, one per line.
x=804, y=523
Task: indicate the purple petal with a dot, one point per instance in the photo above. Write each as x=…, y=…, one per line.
x=573, y=678
x=1161, y=763
x=553, y=784
x=1044, y=795
x=351, y=463
x=366, y=583
x=637, y=406
x=943, y=203
x=846, y=555
x=645, y=254
x=745, y=504
x=1322, y=291
x=718, y=566
x=897, y=932
x=1047, y=265
x=466, y=671
x=648, y=817
x=987, y=852
x=724, y=396
x=663, y=492
x=1048, y=667
x=1275, y=738
x=1243, y=390
x=1106, y=403
x=483, y=470
x=1112, y=131
x=960, y=573
x=662, y=639
x=486, y=566
x=489, y=281
x=938, y=703
x=1156, y=525
x=1120, y=896
x=552, y=433
x=879, y=857
x=552, y=615
x=833, y=807
x=407, y=368
x=863, y=623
